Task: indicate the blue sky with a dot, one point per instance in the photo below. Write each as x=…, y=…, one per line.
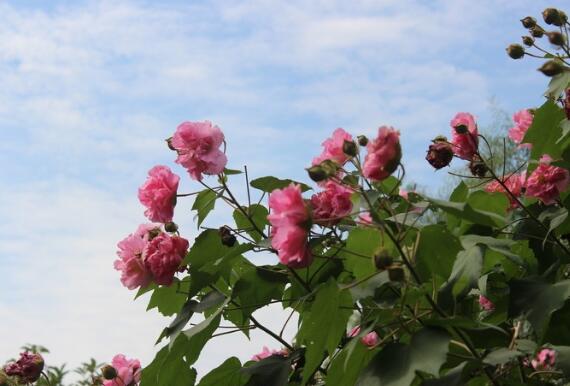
x=90, y=89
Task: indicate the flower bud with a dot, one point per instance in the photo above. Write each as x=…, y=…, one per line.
x=554, y=16
x=349, y=148
x=537, y=31
x=515, y=51
x=552, y=68
x=396, y=273
x=228, y=238
x=362, y=140
x=170, y=227
x=439, y=154
x=109, y=372
x=383, y=260
x=169, y=144
x=528, y=41
x=317, y=173
x=556, y=38
x=478, y=168
x=528, y=22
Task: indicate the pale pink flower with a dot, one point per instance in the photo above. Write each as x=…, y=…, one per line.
x=371, y=339
x=332, y=204
x=523, y=119
x=27, y=369
x=486, y=304
x=365, y=219
x=158, y=194
x=545, y=359
x=514, y=183
x=131, y=263
x=163, y=255
x=197, y=145
x=403, y=193
x=546, y=182
x=464, y=135
x=384, y=154
x=128, y=371
x=290, y=221
x=332, y=148
x=266, y=353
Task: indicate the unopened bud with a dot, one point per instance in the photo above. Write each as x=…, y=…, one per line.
x=439, y=154
x=554, y=16
x=440, y=138
x=349, y=148
x=528, y=41
x=383, y=260
x=396, y=273
x=228, y=238
x=109, y=372
x=170, y=227
x=515, y=51
x=528, y=22
x=552, y=68
x=556, y=38
x=169, y=144
x=362, y=140
x=330, y=167
x=317, y=173
x=537, y=31
x=478, y=168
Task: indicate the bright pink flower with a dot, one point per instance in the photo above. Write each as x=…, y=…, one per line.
x=27, y=369
x=197, y=144
x=464, y=135
x=163, y=255
x=290, y=221
x=514, y=183
x=158, y=194
x=333, y=148
x=128, y=372
x=545, y=359
x=547, y=182
x=131, y=263
x=332, y=204
x=371, y=339
x=384, y=154
x=486, y=304
x=266, y=353
x=523, y=119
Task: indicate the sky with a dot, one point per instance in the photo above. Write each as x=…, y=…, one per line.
x=89, y=90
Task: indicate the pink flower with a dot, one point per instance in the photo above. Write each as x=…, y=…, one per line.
x=486, y=304
x=514, y=183
x=290, y=223
x=523, y=119
x=545, y=359
x=266, y=353
x=384, y=154
x=27, y=369
x=128, y=372
x=464, y=135
x=163, y=255
x=131, y=264
x=333, y=148
x=403, y=193
x=158, y=194
x=197, y=144
x=332, y=204
x=365, y=219
x=547, y=182
x=371, y=339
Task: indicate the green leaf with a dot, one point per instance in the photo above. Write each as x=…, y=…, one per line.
x=270, y=183
x=545, y=132
x=204, y=203
x=537, y=300
x=257, y=287
x=464, y=276
x=501, y=356
x=563, y=359
x=466, y=212
x=486, y=202
x=397, y=364
x=273, y=371
x=557, y=85
x=229, y=172
x=452, y=378
x=165, y=371
x=502, y=246
x=361, y=246
x=227, y=374
x=168, y=299
x=324, y=325
x=346, y=366
x=257, y=214
x=436, y=251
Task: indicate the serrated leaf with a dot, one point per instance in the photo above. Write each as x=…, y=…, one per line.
x=168, y=299
x=545, y=131
x=270, y=183
x=204, y=203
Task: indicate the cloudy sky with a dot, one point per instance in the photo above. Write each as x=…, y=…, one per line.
x=90, y=89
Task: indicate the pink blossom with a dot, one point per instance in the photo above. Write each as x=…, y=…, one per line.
x=384, y=154
x=486, y=304
x=546, y=182
x=163, y=255
x=128, y=371
x=131, y=264
x=332, y=204
x=365, y=219
x=27, y=369
x=523, y=119
x=464, y=135
x=544, y=360
x=290, y=221
x=514, y=183
x=158, y=194
x=197, y=145
x=266, y=353
x=332, y=148
x=403, y=193
x=371, y=339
